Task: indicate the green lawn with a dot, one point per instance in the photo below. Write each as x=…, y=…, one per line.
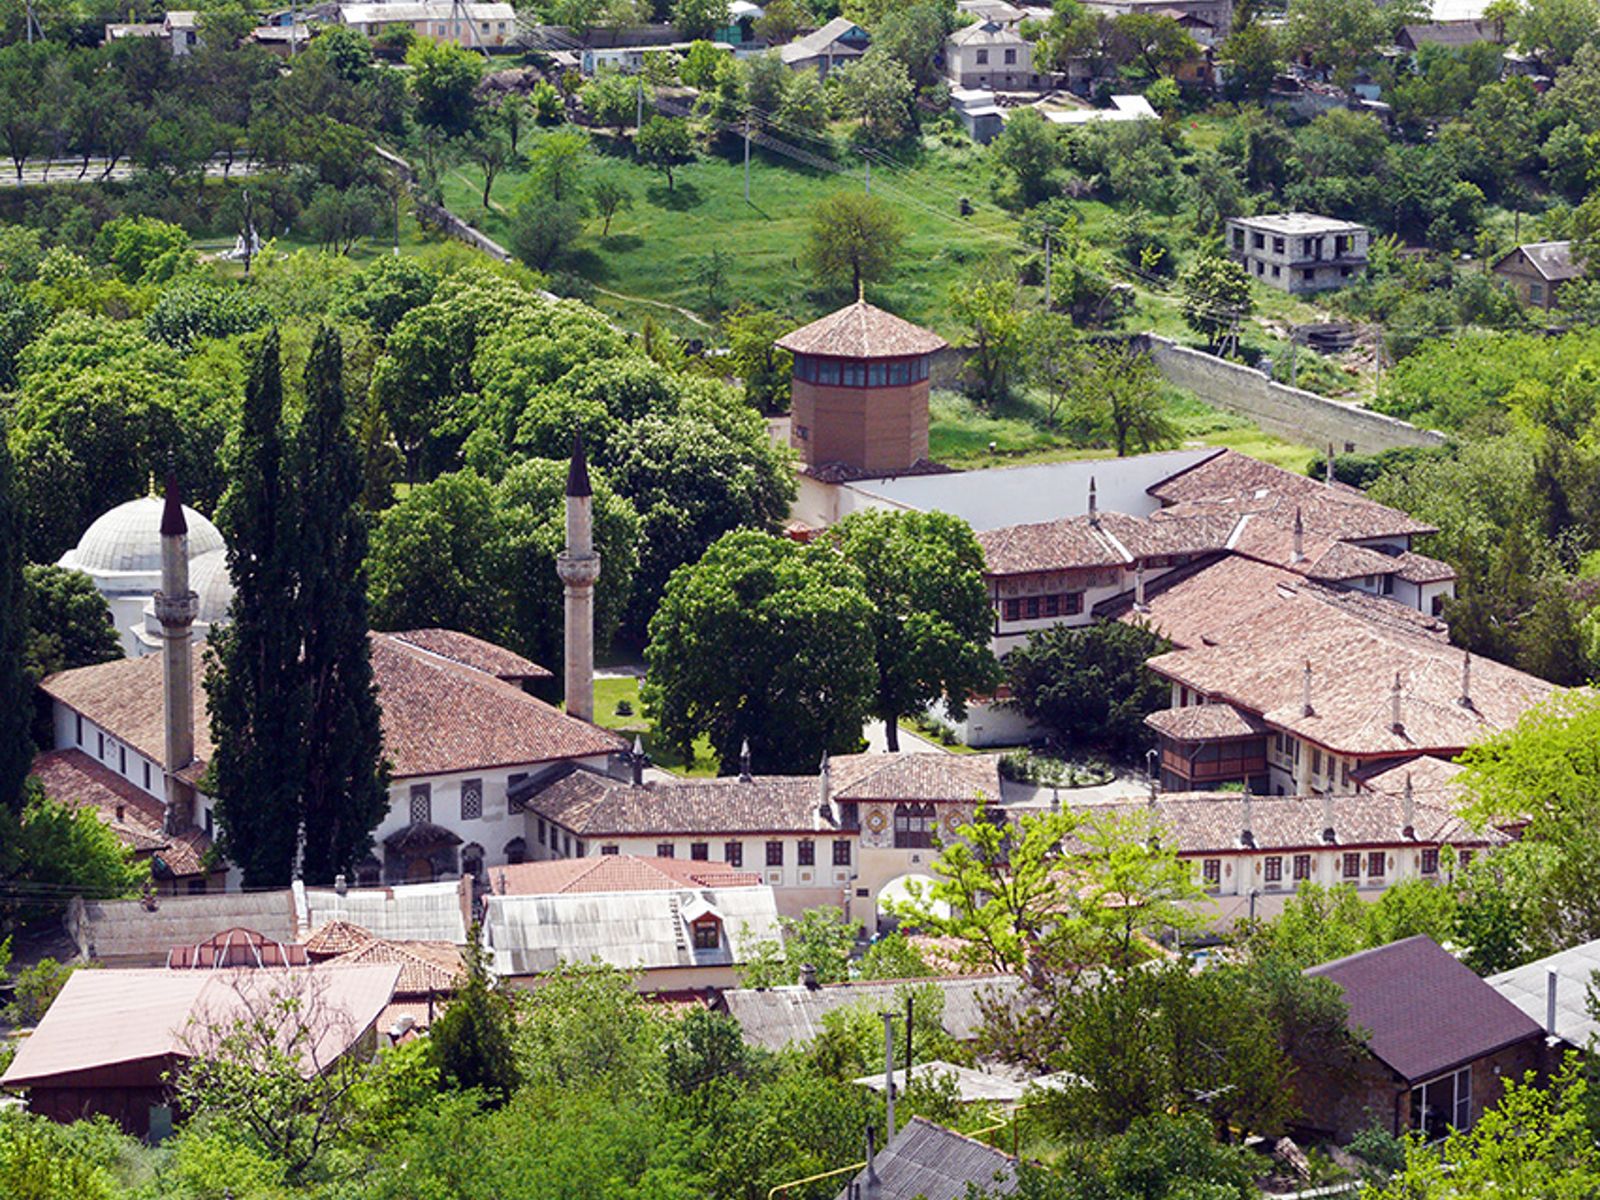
x=656, y=249
x=608, y=693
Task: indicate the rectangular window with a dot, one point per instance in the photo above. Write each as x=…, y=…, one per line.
x=1213, y=873
x=854, y=374
x=1276, y=271
x=80, y=728
x=147, y=777
x=421, y=803
x=1011, y=58
x=664, y=850
x=102, y=753
x=733, y=854
x=1274, y=869
x=1013, y=610
x=1375, y=864
x=899, y=373
x=1072, y=603
x=983, y=58
x=1344, y=772
x=699, y=851
x=608, y=849
x=1442, y=1104
x=808, y=853
x=471, y=799
x=841, y=852
x=583, y=850
x=1430, y=861
x=1352, y=866
x=541, y=831
x=876, y=374
x=1308, y=275
x=774, y=854
x=1033, y=608
x=210, y=824
x=828, y=372
x=122, y=759
x=1302, y=866
x=1316, y=761
x=707, y=935
x=566, y=845
x=1238, y=239
x=1465, y=857
x=1258, y=241
x=1535, y=293
x=1052, y=606
x=1277, y=245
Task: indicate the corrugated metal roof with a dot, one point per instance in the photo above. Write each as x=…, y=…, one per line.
x=1527, y=987
x=146, y=930
x=776, y=1017
x=929, y=1162
x=410, y=912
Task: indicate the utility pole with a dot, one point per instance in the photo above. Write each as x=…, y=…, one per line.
x=869, y=174
x=909, y=1003
x=1294, y=342
x=1049, y=299
x=638, y=109
x=747, y=158
x=888, y=1071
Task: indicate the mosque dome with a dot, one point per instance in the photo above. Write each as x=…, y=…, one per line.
x=128, y=540
x=209, y=578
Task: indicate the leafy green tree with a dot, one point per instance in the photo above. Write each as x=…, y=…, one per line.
x=144, y=249
x=16, y=741
x=853, y=237
x=665, y=144
x=878, y=91
x=819, y=938
x=893, y=957
x=386, y=290
x=548, y=107
x=188, y=311
x=1339, y=34
x=1029, y=151
x=491, y=151
x=255, y=692
x=695, y=19
x=543, y=229
x=1216, y=297
x=609, y=198
x=704, y=1048
x=1052, y=358
x=50, y=853
x=557, y=165
x=610, y=99
x=765, y=640
x=442, y=78
x=931, y=613
x=1153, y=45
x=69, y=623
x=345, y=790
x=990, y=309
x=1119, y=397
x=585, y=1027
x=755, y=357
x=1089, y=685
x=699, y=66
x=470, y=1044
x=1255, y=55
x=1556, y=29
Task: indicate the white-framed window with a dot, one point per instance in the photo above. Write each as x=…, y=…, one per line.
x=1442, y=1104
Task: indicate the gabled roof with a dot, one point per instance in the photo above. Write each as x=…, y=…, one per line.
x=425, y=967
x=937, y=777
x=776, y=1017
x=614, y=873
x=1448, y=33
x=1528, y=987
x=473, y=652
x=1424, y=1012
x=441, y=714
x=988, y=33
x=1106, y=539
x=103, y=1018
x=861, y=330
x=924, y=1161
x=825, y=40
x=73, y=778
x=1553, y=260
x=1205, y=723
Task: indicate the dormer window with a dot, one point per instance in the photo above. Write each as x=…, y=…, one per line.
x=707, y=934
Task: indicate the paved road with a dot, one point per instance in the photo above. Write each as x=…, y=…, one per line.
x=65, y=170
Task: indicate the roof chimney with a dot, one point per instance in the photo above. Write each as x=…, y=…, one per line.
x=1408, y=808
x=1094, y=508
x=1305, y=691
x=1551, y=980
x=744, y=761
x=1247, y=833
x=120, y=812
x=1466, y=680
x=1328, y=835
x=808, y=977
x=825, y=789
x=1138, y=586
x=1396, y=723
x=636, y=762
x=340, y=887
x=578, y=469
x=1299, y=553
x=1328, y=465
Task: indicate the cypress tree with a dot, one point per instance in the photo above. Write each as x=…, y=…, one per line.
x=16, y=706
x=346, y=781
x=254, y=686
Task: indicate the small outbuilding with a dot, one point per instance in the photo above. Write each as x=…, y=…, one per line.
x=1538, y=270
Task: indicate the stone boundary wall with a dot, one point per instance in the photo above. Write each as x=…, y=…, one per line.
x=1292, y=413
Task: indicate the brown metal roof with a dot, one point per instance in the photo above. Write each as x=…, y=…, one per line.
x=861, y=330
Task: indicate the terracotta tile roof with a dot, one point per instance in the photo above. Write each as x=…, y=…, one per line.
x=1213, y=822
x=424, y=966
x=1424, y=1012
x=919, y=777
x=473, y=652
x=595, y=805
x=1205, y=722
x=1236, y=483
x=1419, y=568
x=73, y=778
x=336, y=938
x=1109, y=539
x=439, y=715
x=861, y=330
x=1430, y=775
x=615, y=873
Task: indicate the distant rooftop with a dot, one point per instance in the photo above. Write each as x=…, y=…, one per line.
x=1297, y=223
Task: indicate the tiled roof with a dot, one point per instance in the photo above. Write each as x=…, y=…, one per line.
x=924, y=1161
x=1427, y=774
x=1108, y=539
x=439, y=715
x=777, y=1017
x=73, y=778
x=1419, y=568
x=1204, y=723
x=1257, y=662
x=1214, y=822
x=614, y=873
x=336, y=938
x=861, y=330
x=473, y=652
x=595, y=805
x=1231, y=482
x=1424, y=1012
x=424, y=966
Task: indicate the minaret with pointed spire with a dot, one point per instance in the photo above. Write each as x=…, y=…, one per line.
x=579, y=568
x=176, y=606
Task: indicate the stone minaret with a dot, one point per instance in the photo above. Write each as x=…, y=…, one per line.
x=176, y=607
x=579, y=568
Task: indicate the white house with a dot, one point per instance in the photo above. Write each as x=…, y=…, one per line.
x=990, y=54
